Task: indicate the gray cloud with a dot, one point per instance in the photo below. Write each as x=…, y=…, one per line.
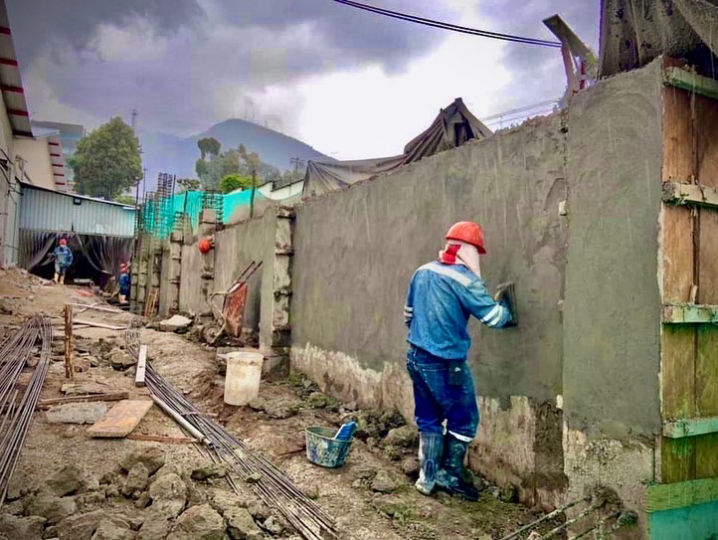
x=39, y=22
x=187, y=63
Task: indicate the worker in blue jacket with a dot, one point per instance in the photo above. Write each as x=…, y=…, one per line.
x=63, y=260
x=125, y=283
x=442, y=295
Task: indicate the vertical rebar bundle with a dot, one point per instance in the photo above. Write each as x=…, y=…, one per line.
x=16, y=408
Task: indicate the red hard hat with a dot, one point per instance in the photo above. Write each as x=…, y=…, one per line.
x=204, y=245
x=63, y=242
x=469, y=232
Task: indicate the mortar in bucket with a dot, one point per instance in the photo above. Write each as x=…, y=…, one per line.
x=244, y=371
x=326, y=447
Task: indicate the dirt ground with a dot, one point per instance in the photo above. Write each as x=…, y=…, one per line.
x=99, y=494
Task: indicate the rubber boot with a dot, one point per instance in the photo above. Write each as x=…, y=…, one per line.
x=56, y=278
x=450, y=478
x=431, y=446
x=62, y=279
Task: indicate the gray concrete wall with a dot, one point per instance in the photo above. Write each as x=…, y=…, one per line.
x=612, y=313
x=355, y=252
x=586, y=349
x=190, y=285
x=612, y=305
x=235, y=247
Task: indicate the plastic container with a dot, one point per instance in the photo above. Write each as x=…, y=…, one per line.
x=324, y=450
x=241, y=383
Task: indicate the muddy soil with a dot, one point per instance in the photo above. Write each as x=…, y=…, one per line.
x=371, y=496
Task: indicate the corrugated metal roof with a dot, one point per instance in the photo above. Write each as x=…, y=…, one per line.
x=12, y=92
x=45, y=210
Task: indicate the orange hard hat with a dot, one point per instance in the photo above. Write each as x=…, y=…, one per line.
x=205, y=245
x=63, y=242
x=469, y=232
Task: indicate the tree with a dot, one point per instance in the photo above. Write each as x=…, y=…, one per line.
x=188, y=184
x=209, y=146
x=213, y=168
x=201, y=167
x=107, y=161
x=129, y=200
x=234, y=181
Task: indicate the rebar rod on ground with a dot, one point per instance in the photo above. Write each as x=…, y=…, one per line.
x=272, y=486
x=543, y=518
x=17, y=416
x=573, y=520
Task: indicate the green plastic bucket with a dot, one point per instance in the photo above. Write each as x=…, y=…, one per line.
x=323, y=449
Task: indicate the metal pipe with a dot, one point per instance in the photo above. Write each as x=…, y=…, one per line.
x=181, y=421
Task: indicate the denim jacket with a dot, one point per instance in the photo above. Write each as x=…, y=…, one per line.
x=63, y=255
x=440, y=300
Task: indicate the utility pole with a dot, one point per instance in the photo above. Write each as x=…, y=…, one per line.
x=251, y=197
x=297, y=162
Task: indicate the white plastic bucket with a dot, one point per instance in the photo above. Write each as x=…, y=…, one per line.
x=244, y=370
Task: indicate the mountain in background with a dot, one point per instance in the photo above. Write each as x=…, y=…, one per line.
x=175, y=155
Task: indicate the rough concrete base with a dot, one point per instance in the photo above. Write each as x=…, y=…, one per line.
x=506, y=450
x=626, y=466
x=511, y=449
x=341, y=376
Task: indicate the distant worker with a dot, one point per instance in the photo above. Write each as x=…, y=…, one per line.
x=124, y=283
x=441, y=296
x=63, y=260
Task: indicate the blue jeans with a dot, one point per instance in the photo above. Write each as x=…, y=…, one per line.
x=440, y=395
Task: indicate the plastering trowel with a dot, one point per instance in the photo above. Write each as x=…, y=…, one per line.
x=506, y=294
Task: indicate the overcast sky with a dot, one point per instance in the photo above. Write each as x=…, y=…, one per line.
x=350, y=83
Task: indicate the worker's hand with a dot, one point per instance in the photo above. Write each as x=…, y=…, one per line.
x=506, y=295
x=501, y=292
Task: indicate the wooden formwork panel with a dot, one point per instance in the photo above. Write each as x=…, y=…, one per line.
x=689, y=272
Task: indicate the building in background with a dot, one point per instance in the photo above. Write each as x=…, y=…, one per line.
x=69, y=135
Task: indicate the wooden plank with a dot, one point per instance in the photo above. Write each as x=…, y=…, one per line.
x=113, y=396
x=688, y=80
x=678, y=162
x=690, y=427
x=683, y=194
x=690, y=314
x=69, y=370
x=141, y=364
x=94, y=307
x=677, y=373
x=121, y=419
x=678, y=457
x=706, y=154
x=676, y=254
x=706, y=140
x=707, y=372
x=99, y=324
x=680, y=495
x=707, y=456
x=677, y=400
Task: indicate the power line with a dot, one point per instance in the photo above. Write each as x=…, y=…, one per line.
x=447, y=26
x=521, y=109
